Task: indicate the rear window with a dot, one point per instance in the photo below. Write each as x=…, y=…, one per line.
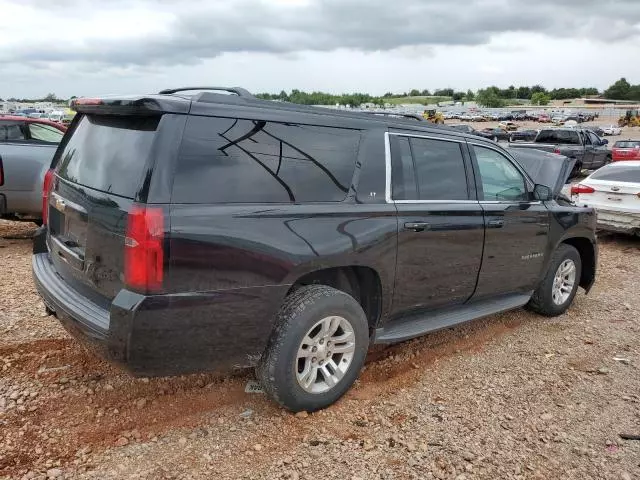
x=626, y=144
x=560, y=137
x=227, y=160
x=108, y=153
x=618, y=173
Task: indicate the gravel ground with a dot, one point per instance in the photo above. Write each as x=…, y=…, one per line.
x=514, y=396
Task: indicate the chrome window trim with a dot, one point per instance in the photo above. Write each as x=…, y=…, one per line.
x=387, y=156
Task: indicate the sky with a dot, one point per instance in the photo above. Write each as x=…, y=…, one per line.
x=85, y=47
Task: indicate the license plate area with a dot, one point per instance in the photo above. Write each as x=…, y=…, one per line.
x=68, y=231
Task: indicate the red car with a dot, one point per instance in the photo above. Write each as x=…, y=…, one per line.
x=544, y=118
x=624, y=150
x=23, y=121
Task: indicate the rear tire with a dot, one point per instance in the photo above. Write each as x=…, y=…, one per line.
x=305, y=366
x=557, y=290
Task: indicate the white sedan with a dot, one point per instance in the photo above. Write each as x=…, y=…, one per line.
x=611, y=130
x=614, y=191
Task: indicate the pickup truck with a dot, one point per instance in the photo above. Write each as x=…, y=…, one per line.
x=582, y=145
x=27, y=146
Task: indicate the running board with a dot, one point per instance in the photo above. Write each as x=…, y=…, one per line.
x=422, y=323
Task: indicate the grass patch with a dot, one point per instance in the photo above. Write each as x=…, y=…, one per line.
x=418, y=100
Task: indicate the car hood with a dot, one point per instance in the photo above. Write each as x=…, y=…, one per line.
x=545, y=168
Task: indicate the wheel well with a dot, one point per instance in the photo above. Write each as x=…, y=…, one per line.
x=362, y=283
x=588, y=258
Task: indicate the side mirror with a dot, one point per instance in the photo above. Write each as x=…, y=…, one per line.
x=604, y=141
x=542, y=193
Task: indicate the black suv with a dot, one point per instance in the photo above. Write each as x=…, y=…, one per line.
x=208, y=231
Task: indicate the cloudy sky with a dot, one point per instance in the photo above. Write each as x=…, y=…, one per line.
x=86, y=47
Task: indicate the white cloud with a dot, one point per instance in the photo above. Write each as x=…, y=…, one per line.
x=79, y=46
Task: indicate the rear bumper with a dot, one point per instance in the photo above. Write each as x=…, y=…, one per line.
x=622, y=222
x=69, y=306
x=166, y=334
x=3, y=204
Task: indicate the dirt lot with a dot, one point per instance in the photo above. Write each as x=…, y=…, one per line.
x=515, y=396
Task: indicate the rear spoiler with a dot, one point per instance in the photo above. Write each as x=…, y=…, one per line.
x=143, y=106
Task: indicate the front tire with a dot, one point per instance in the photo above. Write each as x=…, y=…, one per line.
x=317, y=349
x=557, y=290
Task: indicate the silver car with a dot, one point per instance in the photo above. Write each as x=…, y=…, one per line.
x=27, y=146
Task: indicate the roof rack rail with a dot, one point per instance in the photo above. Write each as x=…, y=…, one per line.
x=241, y=92
x=412, y=116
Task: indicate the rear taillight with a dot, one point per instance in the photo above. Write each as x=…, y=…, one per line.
x=143, y=249
x=556, y=151
x=581, y=189
x=46, y=190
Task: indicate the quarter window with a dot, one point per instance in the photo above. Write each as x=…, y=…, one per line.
x=435, y=167
x=501, y=180
x=45, y=133
x=228, y=160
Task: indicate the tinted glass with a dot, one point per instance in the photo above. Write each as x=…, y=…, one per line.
x=585, y=138
x=44, y=133
x=439, y=169
x=11, y=132
x=626, y=144
x=402, y=171
x=594, y=138
x=618, y=173
x=501, y=180
x=108, y=153
x=562, y=137
x=226, y=160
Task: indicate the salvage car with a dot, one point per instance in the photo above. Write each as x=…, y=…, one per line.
x=27, y=146
x=624, y=150
x=611, y=130
x=614, y=191
x=589, y=151
x=189, y=232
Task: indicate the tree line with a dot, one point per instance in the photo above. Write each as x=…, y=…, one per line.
x=487, y=97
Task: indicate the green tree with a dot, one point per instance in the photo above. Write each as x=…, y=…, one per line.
x=489, y=98
x=457, y=96
x=51, y=97
x=444, y=92
x=538, y=89
x=470, y=95
x=619, y=90
x=425, y=93
x=523, y=92
x=540, y=98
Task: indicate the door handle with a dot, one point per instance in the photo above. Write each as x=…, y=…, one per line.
x=416, y=226
x=495, y=223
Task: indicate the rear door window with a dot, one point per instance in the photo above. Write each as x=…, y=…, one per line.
x=438, y=169
x=228, y=160
x=108, y=153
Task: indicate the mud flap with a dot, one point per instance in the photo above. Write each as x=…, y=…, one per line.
x=40, y=240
